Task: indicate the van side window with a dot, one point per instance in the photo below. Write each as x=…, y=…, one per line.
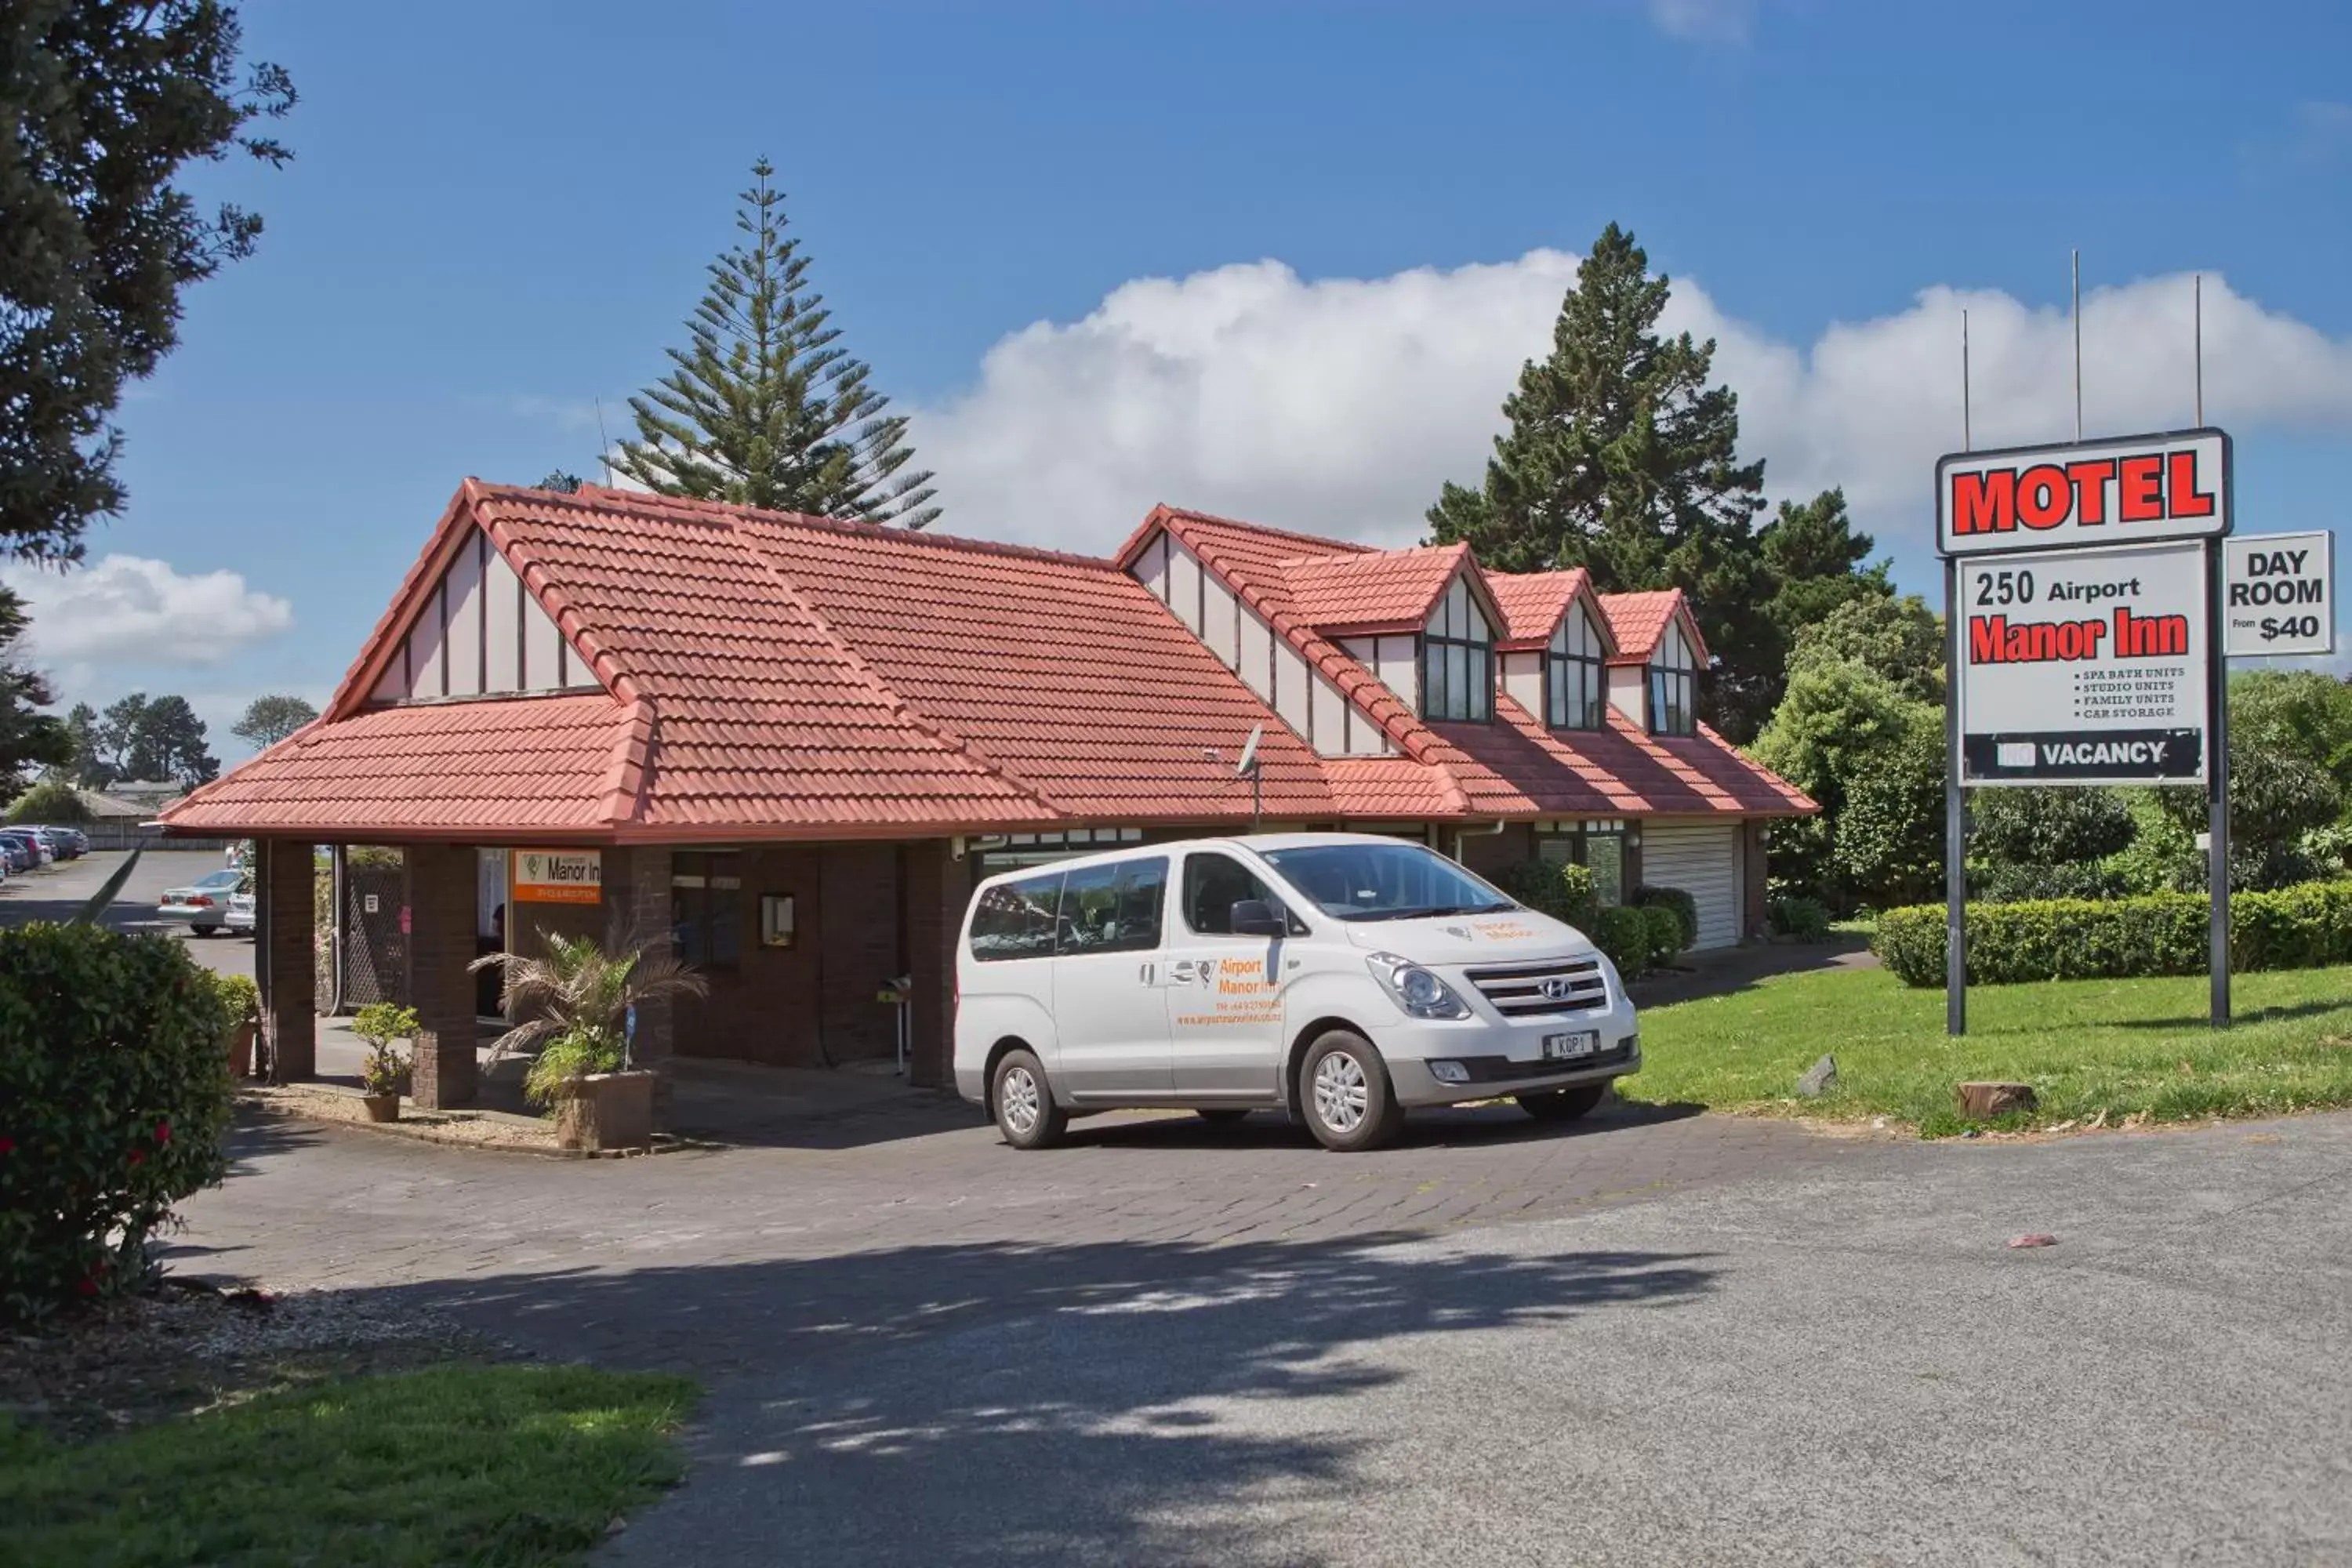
x=1015, y=920
x=1114, y=908
x=1213, y=884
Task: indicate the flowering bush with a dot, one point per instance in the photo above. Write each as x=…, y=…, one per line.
x=114, y=1094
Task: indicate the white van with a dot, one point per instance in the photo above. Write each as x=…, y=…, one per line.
x=1340, y=976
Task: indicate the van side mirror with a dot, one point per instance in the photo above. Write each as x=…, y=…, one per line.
x=1255, y=917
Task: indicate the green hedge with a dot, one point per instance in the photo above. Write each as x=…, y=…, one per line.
x=1622, y=932
x=114, y=1095
x=1686, y=908
x=2160, y=933
x=1794, y=915
x=1666, y=934
x=1562, y=891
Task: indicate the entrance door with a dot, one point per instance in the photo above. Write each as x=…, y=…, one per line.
x=1106, y=970
x=1224, y=992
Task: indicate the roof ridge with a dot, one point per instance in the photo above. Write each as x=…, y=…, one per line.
x=612, y=497
x=1332, y=546
x=866, y=673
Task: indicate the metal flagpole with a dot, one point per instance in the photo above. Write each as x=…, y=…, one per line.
x=1967, y=444
x=2078, y=344
x=2198, y=332
x=1956, y=871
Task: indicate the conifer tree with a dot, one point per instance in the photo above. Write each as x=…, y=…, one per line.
x=762, y=408
x=1621, y=458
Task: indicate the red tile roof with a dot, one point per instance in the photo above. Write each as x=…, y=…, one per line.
x=774, y=675
x=1636, y=622
x=1372, y=590
x=1533, y=602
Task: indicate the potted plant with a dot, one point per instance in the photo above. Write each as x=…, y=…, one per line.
x=241, y=1000
x=385, y=1067
x=574, y=1003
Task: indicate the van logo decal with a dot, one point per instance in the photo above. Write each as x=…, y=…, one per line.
x=1557, y=988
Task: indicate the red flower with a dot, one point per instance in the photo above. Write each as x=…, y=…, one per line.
x=7, y=1145
x=139, y=1156
x=163, y=1133
x=89, y=1284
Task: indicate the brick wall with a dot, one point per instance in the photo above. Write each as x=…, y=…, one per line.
x=441, y=919
x=938, y=887
x=1488, y=853
x=289, y=1022
x=636, y=903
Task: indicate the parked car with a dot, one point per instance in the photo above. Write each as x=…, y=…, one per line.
x=240, y=912
x=203, y=903
x=63, y=842
x=1342, y=977
x=19, y=853
x=39, y=852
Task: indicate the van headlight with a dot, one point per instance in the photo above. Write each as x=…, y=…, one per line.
x=1420, y=994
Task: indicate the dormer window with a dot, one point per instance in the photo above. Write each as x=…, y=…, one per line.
x=1673, y=675
x=1572, y=681
x=1457, y=661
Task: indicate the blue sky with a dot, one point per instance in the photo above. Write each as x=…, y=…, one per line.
x=498, y=214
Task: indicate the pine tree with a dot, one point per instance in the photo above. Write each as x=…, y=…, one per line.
x=1621, y=458
x=763, y=409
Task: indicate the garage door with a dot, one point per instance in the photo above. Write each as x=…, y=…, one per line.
x=1704, y=860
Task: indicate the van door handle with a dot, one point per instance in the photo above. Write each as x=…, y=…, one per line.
x=1145, y=974
x=1182, y=971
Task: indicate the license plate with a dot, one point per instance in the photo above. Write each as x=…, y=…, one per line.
x=1568, y=1048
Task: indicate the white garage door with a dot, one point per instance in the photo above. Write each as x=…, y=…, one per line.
x=1704, y=860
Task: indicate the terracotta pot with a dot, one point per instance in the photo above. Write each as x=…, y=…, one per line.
x=607, y=1111
x=241, y=1048
x=382, y=1107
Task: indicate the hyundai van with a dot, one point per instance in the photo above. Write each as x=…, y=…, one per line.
x=1345, y=978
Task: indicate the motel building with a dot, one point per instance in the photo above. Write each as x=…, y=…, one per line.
x=796, y=745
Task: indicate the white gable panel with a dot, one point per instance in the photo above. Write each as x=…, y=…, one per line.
x=1256, y=642
x=1218, y=629
x=1523, y=680
x=427, y=676
x=1330, y=719
x=1152, y=568
x=393, y=685
x=1290, y=689
x=462, y=589
x=543, y=649
x=1184, y=586
x=1627, y=690
x=501, y=624
x=1400, y=670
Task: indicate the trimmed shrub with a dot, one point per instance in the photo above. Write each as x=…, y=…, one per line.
x=1807, y=920
x=49, y=802
x=114, y=1094
x=1685, y=909
x=2161, y=934
x=1622, y=932
x=1564, y=892
x=1666, y=934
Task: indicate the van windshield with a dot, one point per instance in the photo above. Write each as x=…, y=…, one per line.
x=1384, y=881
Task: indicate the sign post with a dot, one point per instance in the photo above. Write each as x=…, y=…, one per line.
x=2082, y=597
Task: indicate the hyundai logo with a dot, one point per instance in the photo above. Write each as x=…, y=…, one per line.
x=1557, y=988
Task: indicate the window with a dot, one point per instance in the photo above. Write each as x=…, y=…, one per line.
x=1572, y=678
x=705, y=909
x=1597, y=846
x=1213, y=884
x=1384, y=882
x=1112, y=909
x=1457, y=659
x=1015, y=920
x=1672, y=711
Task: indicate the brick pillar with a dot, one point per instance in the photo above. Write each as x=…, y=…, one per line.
x=289, y=985
x=936, y=889
x=636, y=903
x=441, y=918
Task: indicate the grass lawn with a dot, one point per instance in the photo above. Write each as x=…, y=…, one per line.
x=2123, y=1047
x=459, y=1464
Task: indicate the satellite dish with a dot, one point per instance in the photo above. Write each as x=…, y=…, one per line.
x=1249, y=750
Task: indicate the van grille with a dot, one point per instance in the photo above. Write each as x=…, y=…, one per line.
x=1519, y=991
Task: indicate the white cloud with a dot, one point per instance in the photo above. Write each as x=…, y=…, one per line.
x=1341, y=405
x=128, y=609
x=1704, y=21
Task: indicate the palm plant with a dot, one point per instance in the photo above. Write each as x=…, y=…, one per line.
x=573, y=1004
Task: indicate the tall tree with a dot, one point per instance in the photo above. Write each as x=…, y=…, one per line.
x=762, y=408
x=118, y=736
x=170, y=744
x=1620, y=457
x=1815, y=561
x=269, y=719
x=81, y=764
x=29, y=738
x=104, y=103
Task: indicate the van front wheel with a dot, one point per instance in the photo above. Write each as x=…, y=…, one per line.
x=1026, y=1112
x=1343, y=1087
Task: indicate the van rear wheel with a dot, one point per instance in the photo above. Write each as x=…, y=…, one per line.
x=1026, y=1112
x=1343, y=1087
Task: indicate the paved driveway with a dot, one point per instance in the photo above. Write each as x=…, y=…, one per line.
x=1697, y=1340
